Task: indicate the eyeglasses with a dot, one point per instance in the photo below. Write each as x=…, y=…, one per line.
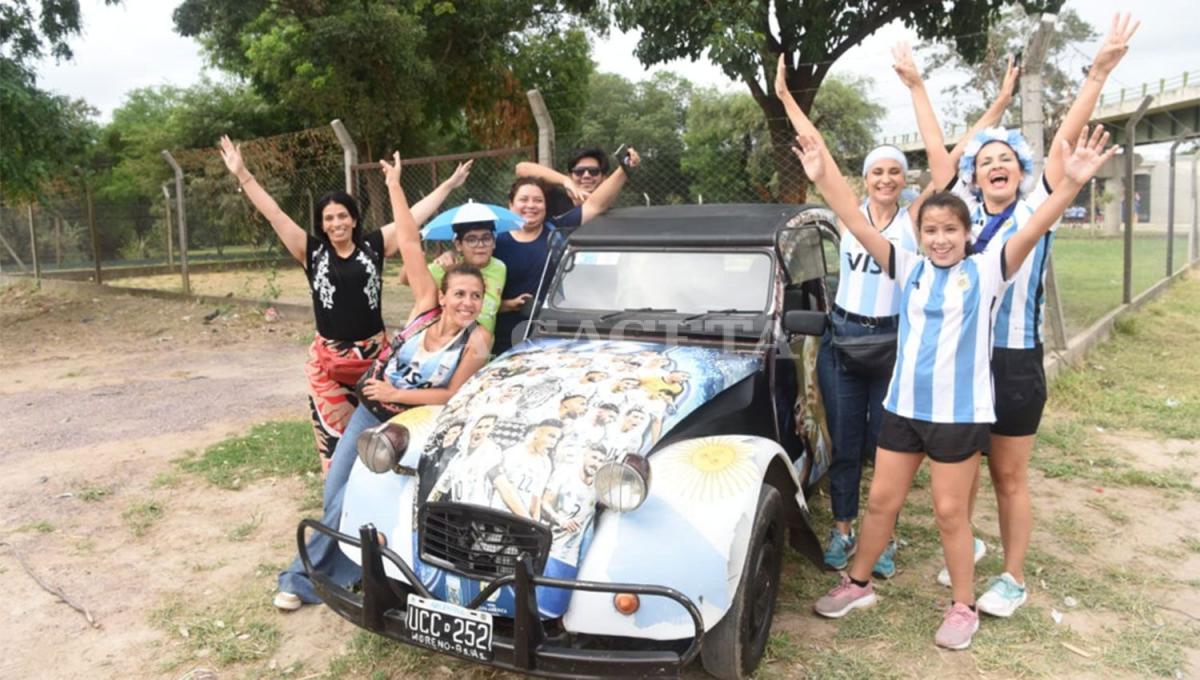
x=589, y=170
x=481, y=240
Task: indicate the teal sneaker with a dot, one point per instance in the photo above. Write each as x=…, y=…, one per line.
x=841, y=547
x=943, y=576
x=1003, y=597
x=885, y=566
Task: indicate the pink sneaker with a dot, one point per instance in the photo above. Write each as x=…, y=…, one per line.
x=959, y=624
x=846, y=596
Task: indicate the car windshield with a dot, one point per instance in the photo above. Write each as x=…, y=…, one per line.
x=693, y=282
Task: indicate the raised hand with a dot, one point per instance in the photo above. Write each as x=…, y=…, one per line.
x=232, y=155
x=574, y=192
x=808, y=150
x=1084, y=161
x=1009, y=85
x=391, y=171
x=460, y=174
x=781, y=88
x=904, y=66
x=634, y=159
x=1116, y=43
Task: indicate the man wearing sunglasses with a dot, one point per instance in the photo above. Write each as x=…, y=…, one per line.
x=587, y=167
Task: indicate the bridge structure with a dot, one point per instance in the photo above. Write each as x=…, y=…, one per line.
x=1173, y=114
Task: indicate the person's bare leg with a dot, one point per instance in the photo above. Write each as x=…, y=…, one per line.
x=951, y=498
x=1009, y=467
x=974, y=494
x=894, y=473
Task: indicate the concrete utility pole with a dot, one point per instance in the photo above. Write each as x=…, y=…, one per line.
x=170, y=248
x=349, y=153
x=545, y=125
x=182, y=217
x=1033, y=127
x=1130, y=142
x=1171, y=209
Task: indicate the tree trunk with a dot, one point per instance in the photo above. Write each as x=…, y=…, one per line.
x=793, y=183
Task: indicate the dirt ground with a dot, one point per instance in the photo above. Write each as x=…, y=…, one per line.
x=101, y=395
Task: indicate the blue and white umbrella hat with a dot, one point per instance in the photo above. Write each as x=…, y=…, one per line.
x=441, y=227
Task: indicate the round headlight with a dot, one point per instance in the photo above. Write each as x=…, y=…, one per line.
x=381, y=447
x=623, y=485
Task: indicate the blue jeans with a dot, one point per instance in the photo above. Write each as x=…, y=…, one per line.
x=323, y=551
x=855, y=422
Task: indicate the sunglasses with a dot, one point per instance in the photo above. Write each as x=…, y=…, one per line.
x=587, y=170
x=482, y=240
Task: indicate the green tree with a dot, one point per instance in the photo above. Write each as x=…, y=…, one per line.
x=739, y=37
x=1007, y=36
x=399, y=73
x=729, y=153
x=25, y=37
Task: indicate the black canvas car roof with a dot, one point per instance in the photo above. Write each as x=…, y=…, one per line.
x=688, y=225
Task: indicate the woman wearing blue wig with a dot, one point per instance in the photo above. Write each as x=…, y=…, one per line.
x=865, y=312
x=997, y=182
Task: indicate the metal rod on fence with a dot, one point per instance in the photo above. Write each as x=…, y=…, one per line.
x=58, y=241
x=349, y=153
x=1171, y=209
x=1130, y=142
x=182, y=217
x=170, y=247
x=37, y=265
x=12, y=252
x=91, y=217
x=1194, y=249
x=545, y=125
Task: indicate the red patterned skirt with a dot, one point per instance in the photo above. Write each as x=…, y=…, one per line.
x=333, y=368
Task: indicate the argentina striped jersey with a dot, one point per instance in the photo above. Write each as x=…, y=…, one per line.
x=1018, y=322
x=943, y=363
x=863, y=287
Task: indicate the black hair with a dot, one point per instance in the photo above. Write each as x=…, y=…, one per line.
x=526, y=181
x=461, y=230
x=549, y=422
x=589, y=152
x=345, y=200
x=461, y=269
x=948, y=201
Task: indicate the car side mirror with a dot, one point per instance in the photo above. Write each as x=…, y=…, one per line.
x=805, y=322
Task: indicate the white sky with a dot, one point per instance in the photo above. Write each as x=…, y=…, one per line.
x=134, y=45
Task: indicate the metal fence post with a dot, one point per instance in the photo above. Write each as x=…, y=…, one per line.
x=170, y=248
x=1171, y=209
x=37, y=263
x=545, y=125
x=349, y=153
x=1130, y=142
x=182, y=217
x=1194, y=250
x=91, y=218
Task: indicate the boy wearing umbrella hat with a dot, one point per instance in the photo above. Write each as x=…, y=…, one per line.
x=474, y=228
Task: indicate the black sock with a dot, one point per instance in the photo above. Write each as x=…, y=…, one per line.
x=860, y=584
x=952, y=603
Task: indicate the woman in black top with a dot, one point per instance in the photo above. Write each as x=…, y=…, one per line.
x=344, y=269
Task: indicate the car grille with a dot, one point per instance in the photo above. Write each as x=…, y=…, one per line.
x=480, y=542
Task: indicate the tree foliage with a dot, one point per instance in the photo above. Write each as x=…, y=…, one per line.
x=968, y=99
x=397, y=72
x=738, y=37
x=25, y=37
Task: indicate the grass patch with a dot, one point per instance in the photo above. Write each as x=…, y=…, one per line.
x=374, y=656
x=1071, y=531
x=42, y=527
x=142, y=515
x=1192, y=543
x=1149, y=650
x=274, y=449
x=1126, y=381
x=237, y=630
x=92, y=493
x=1110, y=509
x=166, y=480
x=246, y=529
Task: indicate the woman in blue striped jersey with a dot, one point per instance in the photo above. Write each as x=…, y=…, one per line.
x=867, y=303
x=939, y=401
x=997, y=182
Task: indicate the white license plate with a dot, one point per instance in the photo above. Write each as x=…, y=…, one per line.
x=449, y=628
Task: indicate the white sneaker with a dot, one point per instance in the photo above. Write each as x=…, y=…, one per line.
x=1003, y=597
x=943, y=576
x=288, y=602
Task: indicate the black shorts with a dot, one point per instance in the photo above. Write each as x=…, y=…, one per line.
x=942, y=442
x=1020, y=384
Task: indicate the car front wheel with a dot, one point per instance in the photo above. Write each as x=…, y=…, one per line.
x=733, y=648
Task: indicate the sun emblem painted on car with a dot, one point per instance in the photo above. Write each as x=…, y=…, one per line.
x=708, y=469
x=419, y=421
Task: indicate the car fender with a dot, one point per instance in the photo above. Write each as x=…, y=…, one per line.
x=691, y=534
x=386, y=499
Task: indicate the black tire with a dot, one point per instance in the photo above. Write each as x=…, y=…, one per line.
x=733, y=648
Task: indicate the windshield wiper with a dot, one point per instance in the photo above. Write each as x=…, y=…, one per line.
x=719, y=312
x=634, y=310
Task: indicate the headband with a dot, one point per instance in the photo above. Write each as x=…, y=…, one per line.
x=884, y=153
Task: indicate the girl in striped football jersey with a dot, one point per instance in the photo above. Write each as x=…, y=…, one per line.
x=867, y=303
x=939, y=402
x=995, y=178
